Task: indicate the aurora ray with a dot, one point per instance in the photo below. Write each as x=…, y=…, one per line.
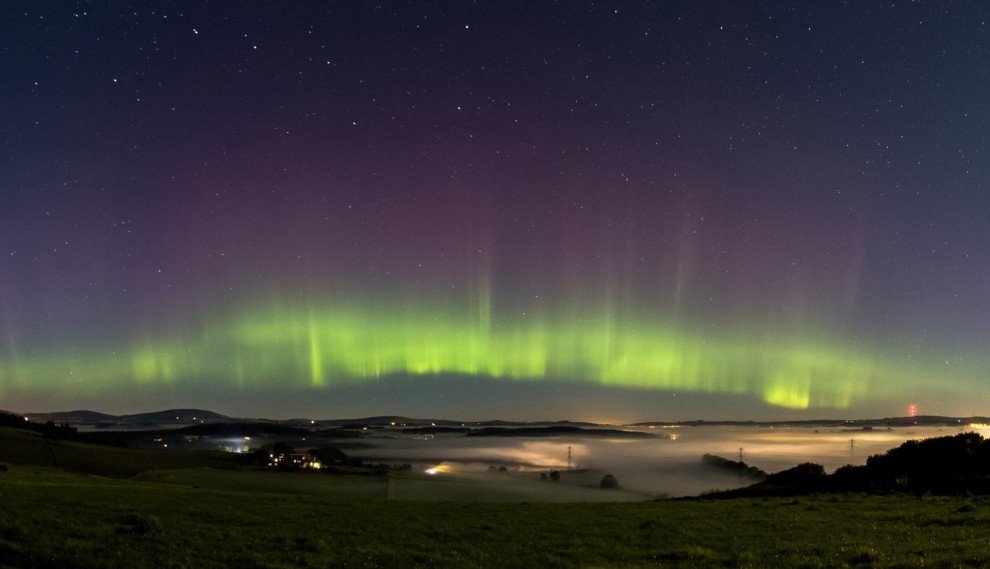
x=327, y=344
x=582, y=209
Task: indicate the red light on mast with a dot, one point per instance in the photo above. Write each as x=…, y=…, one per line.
x=912, y=410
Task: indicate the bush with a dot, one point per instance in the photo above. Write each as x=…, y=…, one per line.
x=739, y=468
x=140, y=524
x=609, y=482
x=807, y=477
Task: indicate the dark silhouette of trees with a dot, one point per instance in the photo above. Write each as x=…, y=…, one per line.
x=736, y=467
x=50, y=429
x=852, y=479
x=328, y=455
x=609, y=482
x=942, y=465
x=11, y=420
x=259, y=457
x=806, y=475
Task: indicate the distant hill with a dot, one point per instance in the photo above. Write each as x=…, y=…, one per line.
x=240, y=429
x=400, y=421
x=79, y=416
x=168, y=416
x=176, y=416
x=389, y=420
x=556, y=431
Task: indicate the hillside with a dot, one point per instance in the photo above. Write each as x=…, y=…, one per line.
x=557, y=431
x=957, y=464
x=30, y=448
x=167, y=416
x=78, y=416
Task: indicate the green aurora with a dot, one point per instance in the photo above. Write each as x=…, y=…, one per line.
x=318, y=345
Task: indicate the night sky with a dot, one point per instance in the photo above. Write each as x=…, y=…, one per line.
x=526, y=210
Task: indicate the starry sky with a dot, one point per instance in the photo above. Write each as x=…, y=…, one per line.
x=528, y=210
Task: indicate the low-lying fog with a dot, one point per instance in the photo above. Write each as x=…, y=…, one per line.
x=669, y=464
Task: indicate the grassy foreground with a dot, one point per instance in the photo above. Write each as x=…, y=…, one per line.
x=52, y=518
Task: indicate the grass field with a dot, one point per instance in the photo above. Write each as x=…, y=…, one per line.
x=51, y=518
x=183, y=511
x=405, y=486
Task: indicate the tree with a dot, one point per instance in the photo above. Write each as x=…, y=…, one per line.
x=609, y=482
x=328, y=455
x=259, y=456
x=555, y=476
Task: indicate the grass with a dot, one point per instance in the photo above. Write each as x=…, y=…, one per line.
x=405, y=486
x=51, y=518
x=182, y=511
x=274, y=482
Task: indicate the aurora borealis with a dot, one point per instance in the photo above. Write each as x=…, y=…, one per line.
x=583, y=210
